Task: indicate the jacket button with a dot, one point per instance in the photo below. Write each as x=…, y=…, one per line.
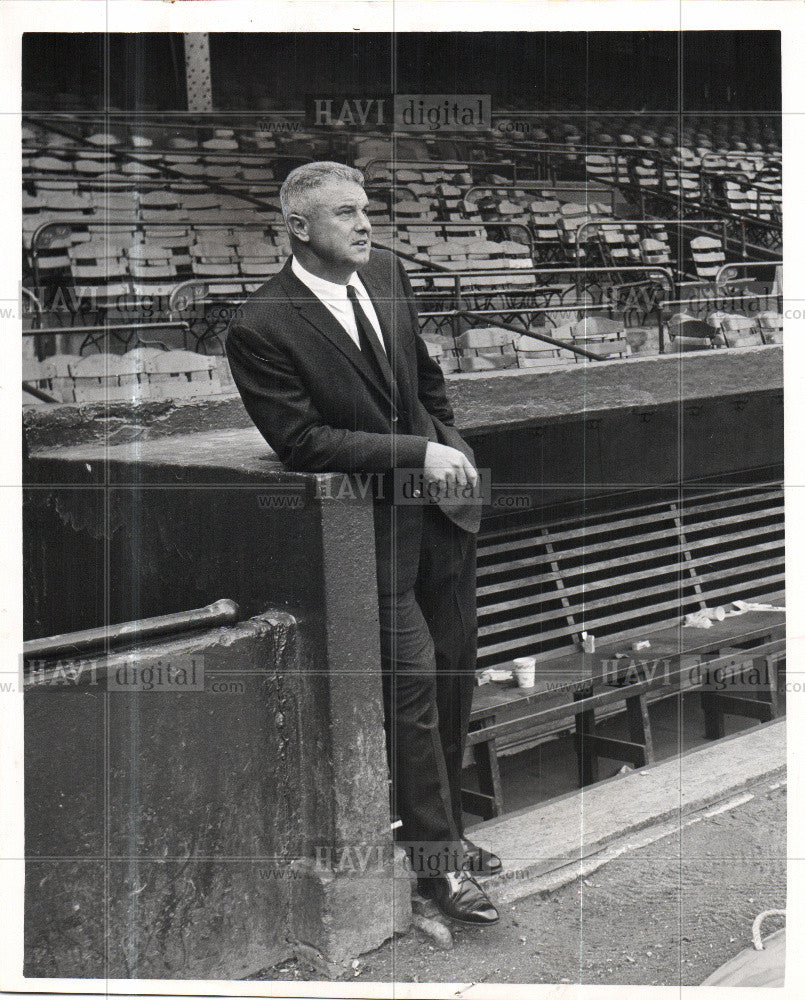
x=417, y=494
x=394, y=418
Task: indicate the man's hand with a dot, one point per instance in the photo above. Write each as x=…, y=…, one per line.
x=448, y=467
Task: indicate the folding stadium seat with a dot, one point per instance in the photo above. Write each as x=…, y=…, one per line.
x=486, y=349
x=421, y=209
x=140, y=357
x=532, y=353
x=108, y=378
x=220, y=143
x=61, y=384
x=39, y=374
x=770, y=327
x=601, y=336
x=135, y=169
x=654, y=252
x=741, y=199
x=646, y=173
x=183, y=373
x=571, y=217
x=686, y=333
x=736, y=330
x=255, y=173
x=52, y=164
x=403, y=176
x=601, y=168
x=616, y=249
x=708, y=256
x=543, y=220
x=161, y=206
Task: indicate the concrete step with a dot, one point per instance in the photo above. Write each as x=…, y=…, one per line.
x=546, y=846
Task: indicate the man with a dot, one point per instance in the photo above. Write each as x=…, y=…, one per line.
x=329, y=362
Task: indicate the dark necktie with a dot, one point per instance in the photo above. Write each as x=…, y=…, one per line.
x=370, y=346
x=376, y=356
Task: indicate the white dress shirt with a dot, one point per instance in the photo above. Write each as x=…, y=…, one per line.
x=334, y=297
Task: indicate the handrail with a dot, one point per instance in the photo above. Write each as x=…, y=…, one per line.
x=667, y=303
x=542, y=186
x=425, y=165
x=464, y=224
x=151, y=151
x=77, y=224
x=38, y=393
x=36, y=304
x=221, y=612
x=93, y=332
x=545, y=271
x=563, y=344
x=64, y=228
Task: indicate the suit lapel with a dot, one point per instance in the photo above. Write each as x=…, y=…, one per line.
x=319, y=316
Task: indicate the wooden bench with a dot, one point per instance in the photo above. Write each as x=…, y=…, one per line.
x=625, y=574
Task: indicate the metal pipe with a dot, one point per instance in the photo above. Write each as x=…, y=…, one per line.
x=33, y=390
x=563, y=344
x=222, y=612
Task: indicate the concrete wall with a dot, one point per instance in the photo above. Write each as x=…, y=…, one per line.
x=202, y=833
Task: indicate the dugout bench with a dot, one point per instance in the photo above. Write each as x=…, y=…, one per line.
x=626, y=575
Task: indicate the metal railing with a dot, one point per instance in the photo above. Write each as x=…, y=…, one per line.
x=459, y=293
x=122, y=332
x=587, y=191
x=223, y=612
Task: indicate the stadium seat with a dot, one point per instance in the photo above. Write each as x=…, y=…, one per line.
x=686, y=333
x=485, y=349
x=107, y=378
x=177, y=374
x=736, y=330
x=770, y=327
x=708, y=256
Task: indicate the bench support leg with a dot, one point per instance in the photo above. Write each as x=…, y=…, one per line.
x=713, y=716
x=640, y=725
x=586, y=749
x=487, y=802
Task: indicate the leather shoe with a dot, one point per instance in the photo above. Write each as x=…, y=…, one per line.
x=459, y=897
x=477, y=861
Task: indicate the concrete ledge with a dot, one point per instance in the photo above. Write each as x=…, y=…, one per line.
x=550, y=845
x=481, y=400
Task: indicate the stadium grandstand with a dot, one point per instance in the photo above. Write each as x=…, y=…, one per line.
x=543, y=239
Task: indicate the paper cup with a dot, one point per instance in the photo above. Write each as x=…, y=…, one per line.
x=525, y=671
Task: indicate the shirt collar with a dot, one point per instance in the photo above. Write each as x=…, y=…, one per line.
x=327, y=291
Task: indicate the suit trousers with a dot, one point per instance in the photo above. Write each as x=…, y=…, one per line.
x=428, y=649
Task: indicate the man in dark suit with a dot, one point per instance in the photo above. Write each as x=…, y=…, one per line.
x=331, y=367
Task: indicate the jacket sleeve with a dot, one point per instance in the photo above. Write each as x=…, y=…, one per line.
x=283, y=412
x=431, y=380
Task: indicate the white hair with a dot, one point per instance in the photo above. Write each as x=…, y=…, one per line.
x=302, y=180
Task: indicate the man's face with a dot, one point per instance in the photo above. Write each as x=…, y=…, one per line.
x=338, y=228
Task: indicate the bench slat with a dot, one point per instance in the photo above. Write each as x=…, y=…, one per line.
x=672, y=540
x=677, y=605
x=615, y=521
x=680, y=566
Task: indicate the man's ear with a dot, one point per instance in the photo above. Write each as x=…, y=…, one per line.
x=297, y=226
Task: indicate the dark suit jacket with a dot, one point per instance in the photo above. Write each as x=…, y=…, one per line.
x=318, y=403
